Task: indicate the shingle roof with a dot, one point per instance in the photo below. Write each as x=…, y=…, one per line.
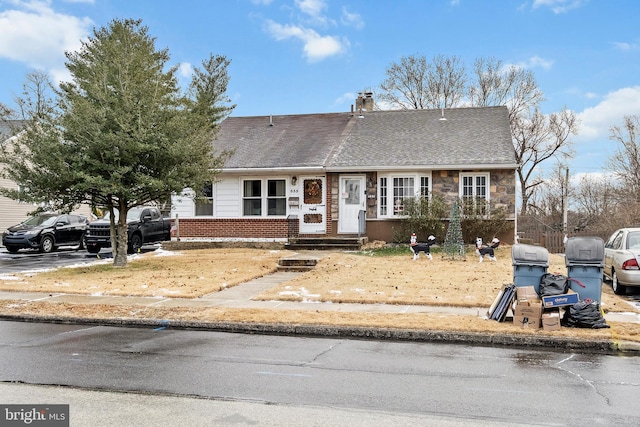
x=469, y=137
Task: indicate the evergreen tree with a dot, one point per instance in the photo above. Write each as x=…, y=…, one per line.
x=453, y=242
x=124, y=134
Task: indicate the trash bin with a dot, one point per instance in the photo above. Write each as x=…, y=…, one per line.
x=584, y=257
x=529, y=264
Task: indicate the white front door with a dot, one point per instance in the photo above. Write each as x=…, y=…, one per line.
x=352, y=201
x=313, y=209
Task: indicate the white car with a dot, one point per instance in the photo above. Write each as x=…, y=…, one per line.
x=622, y=259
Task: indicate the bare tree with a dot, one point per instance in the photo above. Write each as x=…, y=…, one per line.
x=415, y=83
x=37, y=93
x=446, y=82
x=499, y=84
x=625, y=162
x=549, y=197
x=537, y=139
x=596, y=199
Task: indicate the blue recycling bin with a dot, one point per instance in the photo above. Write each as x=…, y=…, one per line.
x=529, y=264
x=584, y=257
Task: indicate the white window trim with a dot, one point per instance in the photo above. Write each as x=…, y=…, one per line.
x=462, y=175
x=263, y=195
x=474, y=175
x=416, y=189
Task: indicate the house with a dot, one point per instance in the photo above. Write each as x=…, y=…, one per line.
x=347, y=174
x=12, y=211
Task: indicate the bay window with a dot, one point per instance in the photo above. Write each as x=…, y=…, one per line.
x=394, y=190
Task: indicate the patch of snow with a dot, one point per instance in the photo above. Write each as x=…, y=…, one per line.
x=289, y=293
x=9, y=277
x=164, y=252
x=335, y=292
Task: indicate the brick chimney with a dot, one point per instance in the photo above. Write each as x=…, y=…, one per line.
x=364, y=101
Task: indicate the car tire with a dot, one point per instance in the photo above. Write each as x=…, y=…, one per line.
x=12, y=249
x=618, y=289
x=135, y=244
x=93, y=249
x=81, y=244
x=47, y=245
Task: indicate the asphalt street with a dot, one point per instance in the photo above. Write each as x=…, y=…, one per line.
x=419, y=382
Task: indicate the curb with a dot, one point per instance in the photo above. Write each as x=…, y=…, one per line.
x=329, y=331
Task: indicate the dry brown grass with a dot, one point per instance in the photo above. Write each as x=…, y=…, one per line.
x=338, y=277
x=186, y=274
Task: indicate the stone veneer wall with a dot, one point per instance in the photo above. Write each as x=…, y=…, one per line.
x=502, y=187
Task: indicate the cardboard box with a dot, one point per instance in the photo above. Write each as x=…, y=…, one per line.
x=528, y=309
x=551, y=320
x=527, y=313
x=569, y=298
x=527, y=293
x=527, y=322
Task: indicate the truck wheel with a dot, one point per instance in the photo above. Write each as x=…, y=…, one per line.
x=135, y=244
x=47, y=244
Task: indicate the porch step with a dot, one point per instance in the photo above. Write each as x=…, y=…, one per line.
x=298, y=262
x=326, y=243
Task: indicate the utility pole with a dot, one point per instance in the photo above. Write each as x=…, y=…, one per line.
x=565, y=204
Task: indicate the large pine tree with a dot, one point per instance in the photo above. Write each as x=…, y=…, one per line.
x=123, y=133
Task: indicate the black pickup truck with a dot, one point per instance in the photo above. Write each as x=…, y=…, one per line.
x=145, y=225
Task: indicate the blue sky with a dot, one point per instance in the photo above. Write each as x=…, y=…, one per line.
x=314, y=56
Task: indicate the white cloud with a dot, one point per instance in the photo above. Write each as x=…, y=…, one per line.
x=34, y=34
x=316, y=47
x=185, y=69
x=313, y=8
x=596, y=121
x=352, y=19
x=626, y=46
x=559, y=6
x=535, y=62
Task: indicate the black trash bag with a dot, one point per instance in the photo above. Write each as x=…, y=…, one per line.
x=584, y=314
x=553, y=284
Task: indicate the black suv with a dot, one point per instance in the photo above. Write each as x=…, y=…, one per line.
x=46, y=232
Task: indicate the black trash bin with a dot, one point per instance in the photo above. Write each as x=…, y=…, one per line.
x=529, y=264
x=584, y=257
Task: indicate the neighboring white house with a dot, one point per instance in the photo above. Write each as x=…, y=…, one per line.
x=12, y=211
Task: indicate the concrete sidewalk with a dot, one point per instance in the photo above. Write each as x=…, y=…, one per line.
x=241, y=297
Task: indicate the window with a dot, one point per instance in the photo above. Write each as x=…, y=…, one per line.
x=204, y=204
x=383, y=196
x=424, y=187
x=474, y=193
x=392, y=200
x=252, y=198
x=270, y=200
x=276, y=197
x=402, y=189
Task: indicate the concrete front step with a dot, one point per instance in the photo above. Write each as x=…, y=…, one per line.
x=326, y=243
